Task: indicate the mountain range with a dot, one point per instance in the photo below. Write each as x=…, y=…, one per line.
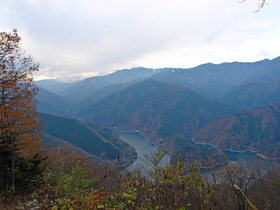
x=170, y=105
x=158, y=109
x=88, y=87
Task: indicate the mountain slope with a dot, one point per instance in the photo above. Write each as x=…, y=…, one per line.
x=157, y=109
x=213, y=80
x=89, y=86
x=51, y=103
x=256, y=129
x=206, y=155
x=91, y=139
x=100, y=94
x=254, y=95
x=54, y=85
x=270, y=76
x=259, y=92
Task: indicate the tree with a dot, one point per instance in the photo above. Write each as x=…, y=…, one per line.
x=153, y=159
x=260, y=5
x=19, y=121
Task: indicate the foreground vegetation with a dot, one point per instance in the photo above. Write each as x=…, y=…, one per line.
x=69, y=181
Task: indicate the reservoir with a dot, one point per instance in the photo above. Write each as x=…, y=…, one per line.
x=249, y=158
x=143, y=147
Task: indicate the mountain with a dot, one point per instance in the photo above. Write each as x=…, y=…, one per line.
x=263, y=91
x=90, y=138
x=53, y=85
x=206, y=155
x=210, y=80
x=270, y=76
x=254, y=95
x=100, y=94
x=52, y=142
x=87, y=87
x=158, y=109
x=256, y=129
x=213, y=80
x=52, y=103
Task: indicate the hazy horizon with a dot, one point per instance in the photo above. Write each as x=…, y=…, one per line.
x=75, y=40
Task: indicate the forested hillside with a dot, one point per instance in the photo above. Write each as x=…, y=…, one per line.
x=256, y=129
x=91, y=139
x=253, y=95
x=158, y=109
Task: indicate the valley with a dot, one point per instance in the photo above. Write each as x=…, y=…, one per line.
x=230, y=105
x=140, y=105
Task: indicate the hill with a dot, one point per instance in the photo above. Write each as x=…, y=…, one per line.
x=263, y=91
x=256, y=129
x=207, y=156
x=87, y=87
x=53, y=85
x=158, y=109
x=92, y=139
x=52, y=103
x=253, y=95
x=100, y=94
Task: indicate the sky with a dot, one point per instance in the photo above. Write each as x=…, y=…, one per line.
x=73, y=40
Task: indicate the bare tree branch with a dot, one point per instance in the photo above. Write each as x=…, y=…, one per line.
x=260, y=5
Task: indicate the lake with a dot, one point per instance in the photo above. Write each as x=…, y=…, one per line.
x=143, y=146
x=248, y=157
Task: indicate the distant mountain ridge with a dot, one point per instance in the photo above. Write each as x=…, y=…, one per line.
x=53, y=85
x=52, y=103
x=89, y=86
x=210, y=80
x=213, y=80
x=157, y=109
x=100, y=94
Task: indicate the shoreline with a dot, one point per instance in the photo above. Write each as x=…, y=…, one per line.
x=143, y=138
x=198, y=143
x=267, y=158
x=130, y=162
x=238, y=151
x=146, y=138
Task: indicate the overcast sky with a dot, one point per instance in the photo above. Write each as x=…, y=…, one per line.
x=76, y=39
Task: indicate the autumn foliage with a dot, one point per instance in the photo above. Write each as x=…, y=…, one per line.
x=19, y=122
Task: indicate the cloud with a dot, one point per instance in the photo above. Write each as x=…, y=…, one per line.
x=90, y=37
x=263, y=53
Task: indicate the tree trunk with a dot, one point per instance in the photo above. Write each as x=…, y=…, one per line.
x=13, y=173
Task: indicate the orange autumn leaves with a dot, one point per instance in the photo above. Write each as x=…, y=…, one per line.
x=19, y=122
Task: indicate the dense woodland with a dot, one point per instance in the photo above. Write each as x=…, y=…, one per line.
x=34, y=175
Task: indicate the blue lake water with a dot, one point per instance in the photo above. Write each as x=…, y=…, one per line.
x=143, y=146
x=248, y=158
